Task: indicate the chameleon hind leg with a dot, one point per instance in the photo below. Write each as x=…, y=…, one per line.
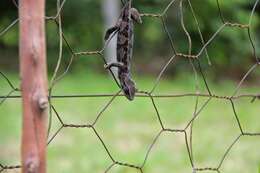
x=135, y=15
x=114, y=64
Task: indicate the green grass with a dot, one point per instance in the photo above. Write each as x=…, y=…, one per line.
x=128, y=128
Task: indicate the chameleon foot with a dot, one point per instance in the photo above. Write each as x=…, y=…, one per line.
x=109, y=65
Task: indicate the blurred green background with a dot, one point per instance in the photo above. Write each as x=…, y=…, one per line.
x=128, y=128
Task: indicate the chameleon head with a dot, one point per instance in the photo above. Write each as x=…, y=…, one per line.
x=128, y=87
x=136, y=15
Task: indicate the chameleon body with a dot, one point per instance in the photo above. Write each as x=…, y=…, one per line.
x=124, y=27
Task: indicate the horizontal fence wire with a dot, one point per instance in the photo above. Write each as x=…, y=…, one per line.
x=193, y=59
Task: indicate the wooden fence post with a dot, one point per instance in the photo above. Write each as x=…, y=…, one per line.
x=33, y=72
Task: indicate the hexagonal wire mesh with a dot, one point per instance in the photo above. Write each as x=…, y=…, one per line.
x=193, y=59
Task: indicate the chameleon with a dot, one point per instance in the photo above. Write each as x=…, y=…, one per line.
x=124, y=27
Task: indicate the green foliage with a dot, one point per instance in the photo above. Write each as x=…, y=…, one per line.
x=82, y=24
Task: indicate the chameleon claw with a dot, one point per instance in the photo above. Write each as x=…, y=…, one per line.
x=106, y=66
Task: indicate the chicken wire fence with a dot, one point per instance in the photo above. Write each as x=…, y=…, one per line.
x=195, y=63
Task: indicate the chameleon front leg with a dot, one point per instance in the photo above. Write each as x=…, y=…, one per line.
x=110, y=31
x=114, y=64
x=135, y=15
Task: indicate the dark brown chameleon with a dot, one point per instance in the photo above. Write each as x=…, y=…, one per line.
x=124, y=27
